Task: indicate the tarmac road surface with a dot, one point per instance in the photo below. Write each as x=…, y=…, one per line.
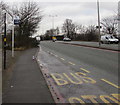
x=80, y=74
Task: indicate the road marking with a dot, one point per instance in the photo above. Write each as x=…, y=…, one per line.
x=51, y=53
x=59, y=79
x=78, y=80
x=73, y=99
x=56, y=56
x=62, y=59
x=94, y=99
x=74, y=78
x=116, y=96
x=105, y=99
x=110, y=83
x=85, y=70
x=71, y=63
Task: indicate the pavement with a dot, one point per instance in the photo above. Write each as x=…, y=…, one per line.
x=27, y=84
x=77, y=74
x=114, y=47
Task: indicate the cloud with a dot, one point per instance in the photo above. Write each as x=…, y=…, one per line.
x=81, y=12
x=61, y=0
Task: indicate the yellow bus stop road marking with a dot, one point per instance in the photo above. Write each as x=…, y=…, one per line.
x=110, y=83
x=71, y=63
x=85, y=70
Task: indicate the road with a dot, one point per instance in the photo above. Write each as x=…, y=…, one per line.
x=80, y=74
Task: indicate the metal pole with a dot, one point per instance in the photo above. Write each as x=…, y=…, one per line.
x=119, y=18
x=12, y=31
x=98, y=22
x=53, y=23
x=13, y=38
x=5, y=41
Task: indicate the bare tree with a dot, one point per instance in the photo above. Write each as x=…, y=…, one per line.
x=80, y=29
x=30, y=17
x=69, y=28
x=110, y=25
x=57, y=30
x=91, y=33
x=2, y=7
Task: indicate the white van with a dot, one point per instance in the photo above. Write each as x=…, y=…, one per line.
x=109, y=39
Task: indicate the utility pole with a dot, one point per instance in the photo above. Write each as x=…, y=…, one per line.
x=53, y=31
x=98, y=21
x=119, y=18
x=4, y=39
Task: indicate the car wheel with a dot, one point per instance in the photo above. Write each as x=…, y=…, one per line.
x=101, y=42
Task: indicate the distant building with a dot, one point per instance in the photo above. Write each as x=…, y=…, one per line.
x=119, y=17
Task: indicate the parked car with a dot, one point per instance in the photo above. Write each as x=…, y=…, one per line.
x=118, y=37
x=109, y=39
x=66, y=39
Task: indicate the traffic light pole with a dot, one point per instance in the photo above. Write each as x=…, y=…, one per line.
x=4, y=39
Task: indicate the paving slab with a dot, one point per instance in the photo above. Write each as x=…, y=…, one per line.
x=27, y=84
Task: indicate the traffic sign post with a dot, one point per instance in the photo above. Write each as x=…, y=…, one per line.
x=15, y=22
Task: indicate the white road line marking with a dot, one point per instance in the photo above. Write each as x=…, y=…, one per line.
x=56, y=56
x=71, y=63
x=62, y=59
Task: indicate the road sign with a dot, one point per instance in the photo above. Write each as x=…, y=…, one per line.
x=16, y=21
x=98, y=26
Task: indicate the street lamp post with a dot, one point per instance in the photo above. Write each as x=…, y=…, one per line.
x=53, y=20
x=119, y=18
x=98, y=21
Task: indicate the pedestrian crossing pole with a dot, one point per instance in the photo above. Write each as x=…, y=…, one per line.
x=4, y=39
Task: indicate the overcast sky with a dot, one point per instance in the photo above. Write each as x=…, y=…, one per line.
x=80, y=11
